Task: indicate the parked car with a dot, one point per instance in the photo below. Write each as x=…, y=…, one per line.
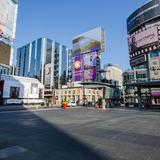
x=72, y=104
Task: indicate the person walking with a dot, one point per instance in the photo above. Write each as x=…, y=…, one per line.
x=103, y=104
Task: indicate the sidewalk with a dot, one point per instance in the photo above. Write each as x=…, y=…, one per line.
x=23, y=107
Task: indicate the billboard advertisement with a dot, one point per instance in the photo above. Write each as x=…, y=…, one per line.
x=154, y=65
x=143, y=39
x=93, y=40
x=48, y=74
x=90, y=74
x=89, y=60
x=8, y=14
x=84, y=66
x=154, y=70
x=5, y=53
x=77, y=68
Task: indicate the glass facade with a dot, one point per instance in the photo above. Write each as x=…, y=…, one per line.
x=64, y=65
x=48, y=63
x=32, y=64
x=56, y=64
x=38, y=59
x=45, y=60
x=147, y=12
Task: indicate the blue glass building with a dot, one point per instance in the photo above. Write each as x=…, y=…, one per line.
x=45, y=60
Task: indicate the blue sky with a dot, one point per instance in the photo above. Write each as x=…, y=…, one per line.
x=61, y=20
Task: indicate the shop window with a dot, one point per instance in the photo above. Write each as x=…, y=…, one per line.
x=14, y=92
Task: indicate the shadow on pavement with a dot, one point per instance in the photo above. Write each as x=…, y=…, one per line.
x=41, y=139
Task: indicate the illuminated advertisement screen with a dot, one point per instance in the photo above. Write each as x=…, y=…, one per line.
x=89, y=60
x=84, y=67
x=143, y=39
x=77, y=68
x=154, y=65
x=8, y=14
x=5, y=53
x=93, y=40
x=154, y=70
x=90, y=74
x=48, y=74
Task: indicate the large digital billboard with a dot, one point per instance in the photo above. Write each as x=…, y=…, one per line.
x=93, y=40
x=154, y=70
x=8, y=15
x=77, y=68
x=5, y=53
x=154, y=65
x=143, y=39
x=84, y=66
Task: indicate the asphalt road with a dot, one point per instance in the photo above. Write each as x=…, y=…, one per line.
x=80, y=134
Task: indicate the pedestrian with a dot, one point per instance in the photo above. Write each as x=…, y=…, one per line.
x=103, y=104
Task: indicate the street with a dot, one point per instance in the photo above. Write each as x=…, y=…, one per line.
x=80, y=134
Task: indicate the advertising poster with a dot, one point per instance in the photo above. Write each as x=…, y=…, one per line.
x=8, y=11
x=143, y=39
x=154, y=70
x=93, y=40
x=48, y=74
x=154, y=65
x=89, y=60
x=34, y=88
x=77, y=68
x=90, y=74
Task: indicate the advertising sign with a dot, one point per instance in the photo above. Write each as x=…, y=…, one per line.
x=8, y=14
x=77, y=67
x=89, y=60
x=34, y=88
x=84, y=66
x=90, y=74
x=154, y=70
x=93, y=40
x=138, y=60
x=5, y=53
x=143, y=39
x=48, y=74
x=154, y=65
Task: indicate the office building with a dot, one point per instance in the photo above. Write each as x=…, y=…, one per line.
x=143, y=28
x=45, y=60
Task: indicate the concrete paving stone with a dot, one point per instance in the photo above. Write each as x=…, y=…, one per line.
x=11, y=151
x=82, y=134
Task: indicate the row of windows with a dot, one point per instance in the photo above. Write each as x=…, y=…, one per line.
x=144, y=14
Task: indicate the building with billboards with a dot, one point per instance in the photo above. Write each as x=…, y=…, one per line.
x=8, y=16
x=143, y=28
x=86, y=51
x=45, y=60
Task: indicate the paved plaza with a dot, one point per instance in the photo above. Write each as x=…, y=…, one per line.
x=80, y=134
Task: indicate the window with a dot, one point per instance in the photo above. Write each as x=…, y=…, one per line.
x=14, y=92
x=154, y=54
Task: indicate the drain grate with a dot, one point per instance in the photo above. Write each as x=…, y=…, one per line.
x=11, y=151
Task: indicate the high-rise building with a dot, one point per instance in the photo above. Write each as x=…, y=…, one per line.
x=113, y=72
x=143, y=28
x=45, y=60
x=8, y=16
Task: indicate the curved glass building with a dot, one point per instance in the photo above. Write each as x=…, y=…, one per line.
x=143, y=27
